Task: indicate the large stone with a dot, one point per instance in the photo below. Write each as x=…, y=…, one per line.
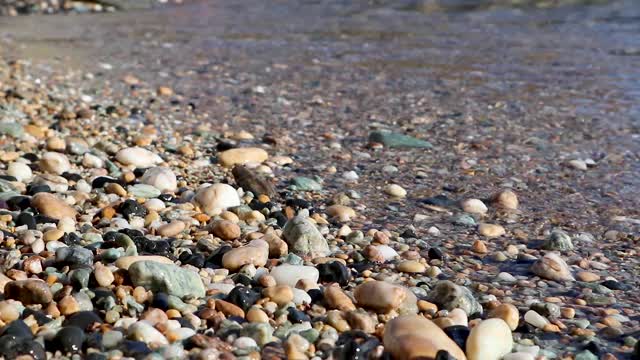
x=167, y=278
x=54, y=163
x=216, y=198
x=558, y=240
x=138, y=157
x=28, y=292
x=286, y=274
x=304, y=239
x=256, y=255
x=415, y=337
x=552, y=267
x=241, y=156
x=52, y=206
x=251, y=181
x=394, y=140
x=449, y=296
x=160, y=177
x=380, y=295
x=489, y=340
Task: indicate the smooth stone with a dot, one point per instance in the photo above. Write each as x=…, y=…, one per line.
x=448, y=296
x=552, y=267
x=413, y=337
x=20, y=171
x=167, y=278
x=250, y=180
x=138, y=157
x=145, y=332
x=143, y=191
x=126, y=261
x=533, y=318
x=279, y=294
x=103, y=275
x=304, y=238
x=507, y=312
x=241, y=156
x=28, y=292
x=474, y=206
x=519, y=356
x=226, y=230
x=69, y=339
x=160, y=177
x=489, y=340
x=379, y=295
x=387, y=252
x=52, y=206
x=340, y=212
x=411, y=266
x=171, y=229
x=558, y=240
x=395, y=190
x=215, y=198
x=236, y=258
x=490, y=230
x=336, y=298
x=286, y=274
x=395, y=140
x=74, y=255
x=506, y=199
x=302, y=183
x=55, y=163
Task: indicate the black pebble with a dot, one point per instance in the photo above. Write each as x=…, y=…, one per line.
x=215, y=260
x=136, y=349
x=241, y=279
x=68, y=340
x=41, y=318
x=296, y=316
x=11, y=347
x=439, y=200
x=355, y=345
x=8, y=178
x=196, y=260
x=101, y=181
x=615, y=285
x=316, y=295
x=131, y=208
x=17, y=328
x=72, y=176
x=18, y=202
x=435, y=254
x=458, y=334
x=32, y=190
x=26, y=218
x=281, y=219
x=409, y=234
x=334, y=272
x=82, y=320
x=42, y=219
x=160, y=301
x=444, y=355
x=243, y=297
x=96, y=356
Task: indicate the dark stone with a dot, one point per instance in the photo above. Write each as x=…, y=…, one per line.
x=241, y=279
x=594, y=348
x=281, y=219
x=166, y=197
x=32, y=190
x=298, y=203
x=75, y=255
x=18, y=203
x=138, y=172
x=215, y=260
x=26, y=218
x=444, y=355
x=100, y=300
x=68, y=340
x=243, y=297
x=131, y=208
x=435, y=254
x=440, y=200
x=316, y=295
x=31, y=157
x=160, y=301
x=636, y=352
x=273, y=351
x=18, y=329
x=615, y=285
x=185, y=323
x=94, y=341
x=82, y=319
x=101, y=181
x=296, y=316
x=8, y=178
x=458, y=334
x=223, y=146
x=136, y=349
x=251, y=181
x=96, y=356
x=334, y=272
x=409, y=234
x=196, y=259
x=42, y=219
x=71, y=239
x=41, y=318
x=11, y=347
x=71, y=176
x=355, y=345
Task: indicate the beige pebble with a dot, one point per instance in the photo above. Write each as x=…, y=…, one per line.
x=587, y=276
x=507, y=312
x=103, y=275
x=341, y=212
x=411, y=266
x=336, y=298
x=257, y=315
x=491, y=230
x=173, y=228
x=53, y=235
x=279, y=294
x=242, y=156
x=68, y=305
x=506, y=199
x=226, y=230
x=474, y=206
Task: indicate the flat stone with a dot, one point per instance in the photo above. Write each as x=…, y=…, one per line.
x=167, y=278
x=52, y=206
x=236, y=258
x=28, y=292
x=552, y=267
x=489, y=340
x=395, y=191
x=138, y=157
x=286, y=274
x=413, y=337
x=251, y=181
x=490, y=230
x=379, y=295
x=171, y=229
x=241, y=156
x=394, y=140
x=302, y=183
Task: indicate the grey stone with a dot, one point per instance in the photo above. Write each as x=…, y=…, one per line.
x=75, y=255
x=144, y=191
x=558, y=240
x=390, y=139
x=13, y=129
x=262, y=333
x=302, y=183
x=586, y=355
x=449, y=296
x=463, y=220
x=167, y=278
x=303, y=237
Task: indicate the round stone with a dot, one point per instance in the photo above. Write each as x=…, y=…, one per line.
x=55, y=163
x=162, y=178
x=138, y=157
x=395, y=190
x=215, y=198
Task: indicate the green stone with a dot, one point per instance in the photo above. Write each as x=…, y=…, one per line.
x=144, y=191
x=262, y=333
x=302, y=183
x=463, y=220
x=585, y=355
x=12, y=129
x=394, y=140
x=168, y=278
x=310, y=335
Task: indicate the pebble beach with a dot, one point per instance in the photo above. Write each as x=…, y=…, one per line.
x=234, y=203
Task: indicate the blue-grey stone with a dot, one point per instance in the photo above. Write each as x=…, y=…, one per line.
x=167, y=278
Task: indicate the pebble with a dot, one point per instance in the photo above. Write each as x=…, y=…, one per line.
x=52, y=206
x=336, y=298
x=138, y=157
x=226, y=230
x=413, y=337
x=279, y=294
x=411, y=266
x=20, y=171
x=506, y=199
x=535, y=319
x=55, y=163
x=447, y=295
x=552, y=267
x=241, y=156
x=126, y=261
x=167, y=278
x=395, y=191
x=28, y=291
x=162, y=178
x=171, y=229
x=380, y=296
x=491, y=230
x=508, y=313
x=341, y=212
x=489, y=340
x=290, y=275
x=145, y=332
x=303, y=238
x=215, y=198
x=236, y=258
x=474, y=206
